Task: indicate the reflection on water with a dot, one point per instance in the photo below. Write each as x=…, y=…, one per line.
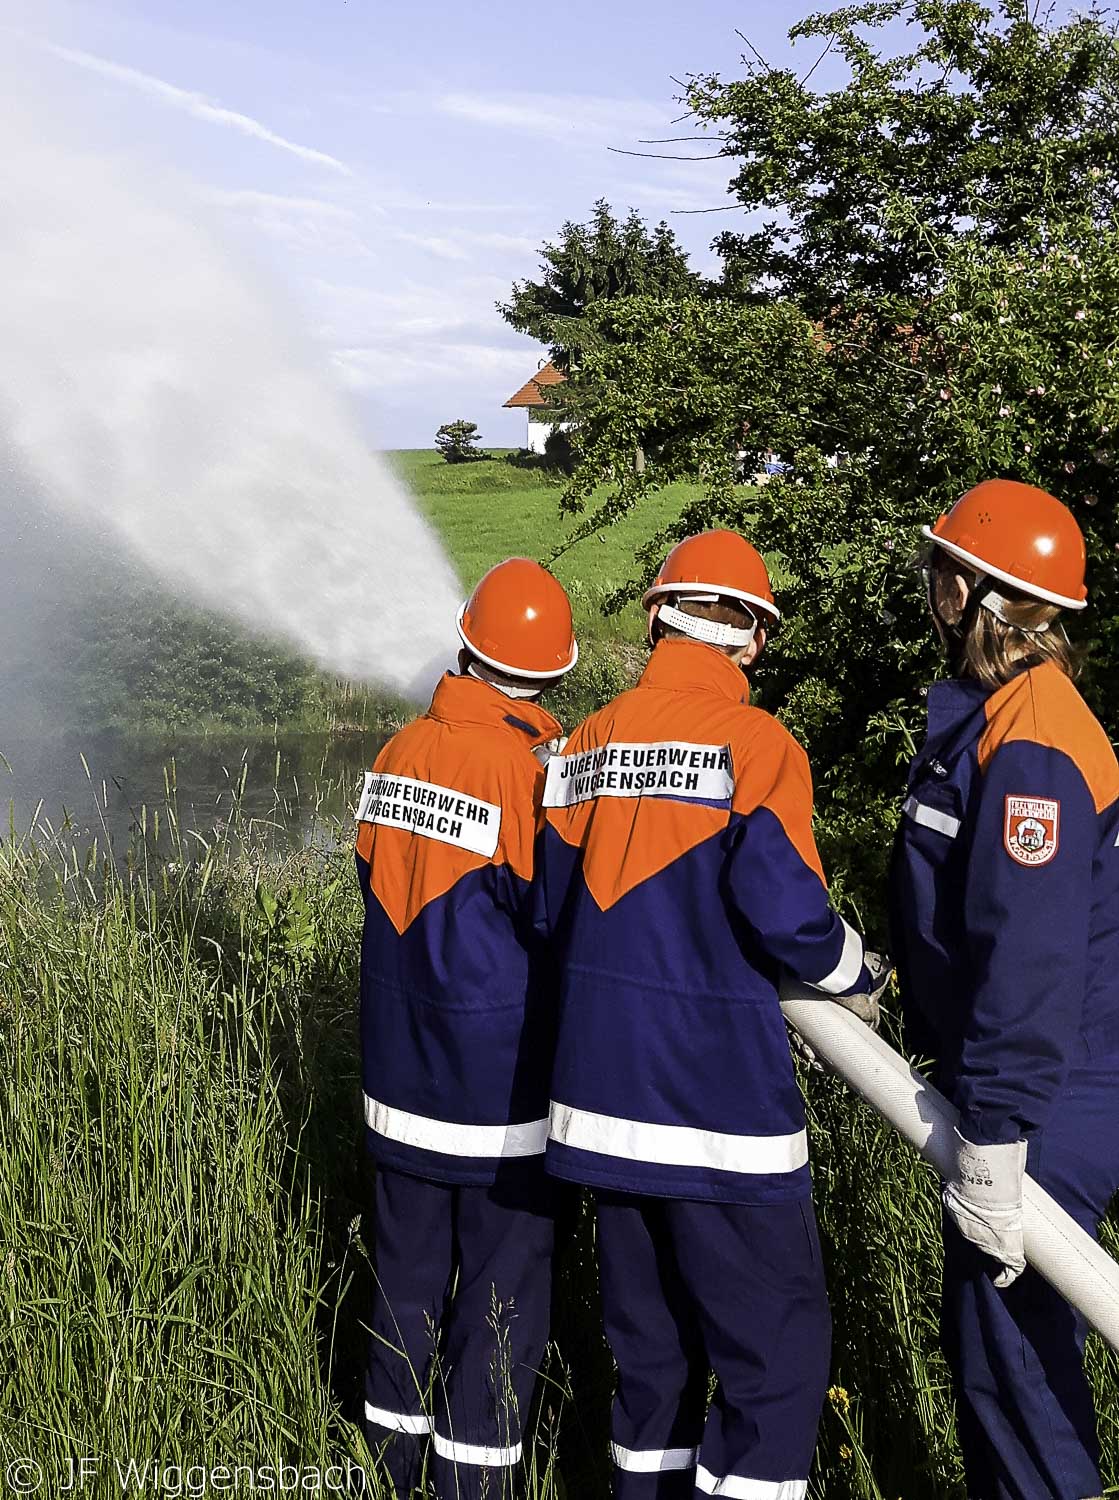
x=293, y=790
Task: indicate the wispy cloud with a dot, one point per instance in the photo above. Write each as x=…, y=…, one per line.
x=415, y=203
x=555, y=114
x=311, y=225
x=443, y=246
x=251, y=198
x=195, y=104
x=657, y=198
x=461, y=305
x=511, y=244
x=460, y=243
x=679, y=186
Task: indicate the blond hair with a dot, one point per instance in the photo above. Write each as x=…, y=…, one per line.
x=994, y=649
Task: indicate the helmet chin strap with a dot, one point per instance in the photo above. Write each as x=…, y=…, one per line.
x=711, y=632
x=502, y=684
x=996, y=604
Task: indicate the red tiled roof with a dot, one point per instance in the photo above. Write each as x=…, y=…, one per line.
x=530, y=394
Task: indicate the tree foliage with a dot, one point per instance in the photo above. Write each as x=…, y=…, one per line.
x=996, y=121
x=589, y=264
x=934, y=303
x=458, y=441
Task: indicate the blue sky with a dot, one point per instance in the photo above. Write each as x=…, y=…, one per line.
x=393, y=167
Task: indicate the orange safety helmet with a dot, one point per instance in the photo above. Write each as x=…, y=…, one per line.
x=1020, y=535
x=518, y=620
x=714, y=563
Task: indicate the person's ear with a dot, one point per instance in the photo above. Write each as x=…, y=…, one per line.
x=749, y=654
x=952, y=591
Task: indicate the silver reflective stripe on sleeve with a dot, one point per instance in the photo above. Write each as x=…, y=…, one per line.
x=451, y=1139
x=474, y=1453
x=653, y=1460
x=677, y=1145
x=932, y=817
x=738, y=1487
x=846, y=971
x=398, y=1421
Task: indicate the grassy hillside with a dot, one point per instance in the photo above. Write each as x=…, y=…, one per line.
x=492, y=509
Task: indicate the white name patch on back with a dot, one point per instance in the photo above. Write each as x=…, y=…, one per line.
x=436, y=812
x=673, y=768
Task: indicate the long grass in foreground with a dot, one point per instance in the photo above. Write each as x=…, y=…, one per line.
x=183, y=1266
x=164, y=1253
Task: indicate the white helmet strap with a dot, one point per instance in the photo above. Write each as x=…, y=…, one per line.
x=996, y=603
x=502, y=684
x=711, y=632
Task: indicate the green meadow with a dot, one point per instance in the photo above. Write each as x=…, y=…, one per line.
x=492, y=509
x=184, y=1228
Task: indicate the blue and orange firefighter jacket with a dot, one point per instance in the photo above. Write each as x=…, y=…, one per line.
x=679, y=879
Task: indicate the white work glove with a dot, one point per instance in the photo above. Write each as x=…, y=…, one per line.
x=984, y=1199
x=545, y=752
x=865, y=1005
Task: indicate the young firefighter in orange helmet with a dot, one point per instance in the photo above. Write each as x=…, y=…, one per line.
x=456, y=1048
x=679, y=879
x=1006, y=927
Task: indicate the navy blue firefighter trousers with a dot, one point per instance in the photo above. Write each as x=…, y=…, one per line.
x=1025, y=1417
x=459, y=1329
x=739, y=1290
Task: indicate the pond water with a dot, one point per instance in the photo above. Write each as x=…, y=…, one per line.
x=290, y=791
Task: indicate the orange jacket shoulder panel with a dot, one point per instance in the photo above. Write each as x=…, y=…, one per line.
x=627, y=840
x=487, y=764
x=771, y=770
x=1044, y=706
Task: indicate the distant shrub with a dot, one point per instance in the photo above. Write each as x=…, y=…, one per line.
x=560, y=452
x=537, y=464
x=457, y=442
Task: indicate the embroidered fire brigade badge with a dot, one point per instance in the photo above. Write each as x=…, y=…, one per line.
x=1031, y=829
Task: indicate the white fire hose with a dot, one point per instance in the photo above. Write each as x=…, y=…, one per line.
x=1069, y=1259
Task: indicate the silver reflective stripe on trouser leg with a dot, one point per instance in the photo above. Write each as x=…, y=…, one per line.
x=931, y=817
x=653, y=1460
x=738, y=1487
x=397, y=1421
x=475, y=1453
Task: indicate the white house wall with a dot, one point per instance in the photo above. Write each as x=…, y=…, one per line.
x=539, y=433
